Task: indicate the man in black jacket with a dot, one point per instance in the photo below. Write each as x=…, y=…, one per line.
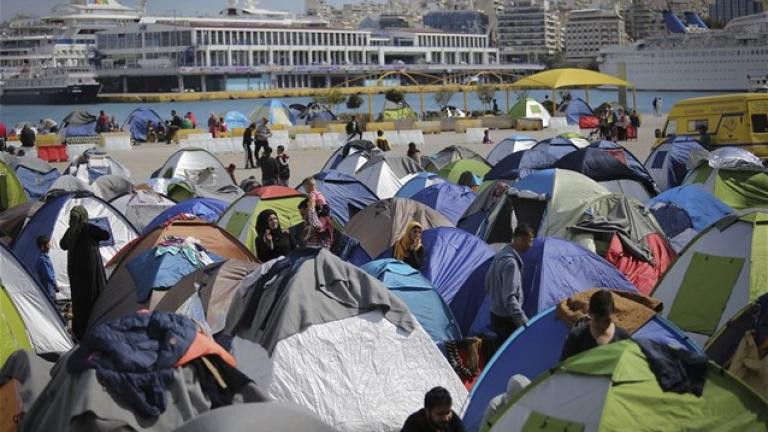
x=353, y=129
x=176, y=124
x=269, y=168
x=247, y=141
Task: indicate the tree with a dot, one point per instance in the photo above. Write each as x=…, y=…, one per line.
x=354, y=101
x=330, y=98
x=443, y=97
x=486, y=93
x=394, y=96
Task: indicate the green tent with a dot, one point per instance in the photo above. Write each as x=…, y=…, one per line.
x=738, y=189
x=11, y=190
x=397, y=111
x=612, y=388
x=13, y=332
x=722, y=270
x=530, y=108
x=453, y=171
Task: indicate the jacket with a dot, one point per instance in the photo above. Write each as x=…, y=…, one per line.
x=504, y=283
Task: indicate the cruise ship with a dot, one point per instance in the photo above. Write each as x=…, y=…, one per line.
x=694, y=58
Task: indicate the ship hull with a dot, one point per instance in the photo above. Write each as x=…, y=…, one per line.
x=69, y=95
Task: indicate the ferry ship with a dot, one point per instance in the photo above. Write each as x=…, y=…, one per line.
x=694, y=58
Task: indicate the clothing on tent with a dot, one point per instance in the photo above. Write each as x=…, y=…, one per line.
x=219, y=380
x=631, y=310
x=676, y=370
x=749, y=365
x=580, y=339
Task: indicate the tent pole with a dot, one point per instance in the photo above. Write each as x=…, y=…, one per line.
x=370, y=106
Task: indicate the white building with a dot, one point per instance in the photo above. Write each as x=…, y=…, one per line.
x=529, y=30
x=642, y=21
x=589, y=30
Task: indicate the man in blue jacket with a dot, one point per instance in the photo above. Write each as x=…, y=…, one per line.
x=44, y=268
x=504, y=283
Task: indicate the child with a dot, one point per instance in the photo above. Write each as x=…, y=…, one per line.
x=44, y=268
x=487, y=137
x=283, y=170
x=222, y=127
x=320, y=202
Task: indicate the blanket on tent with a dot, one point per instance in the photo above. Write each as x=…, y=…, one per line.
x=631, y=310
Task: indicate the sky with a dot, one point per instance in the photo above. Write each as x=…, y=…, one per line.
x=9, y=8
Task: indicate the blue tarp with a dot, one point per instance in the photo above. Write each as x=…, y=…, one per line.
x=345, y=194
x=575, y=109
x=236, y=119
x=138, y=121
x=667, y=163
x=208, y=209
x=701, y=207
x=152, y=272
x=534, y=349
x=420, y=296
x=36, y=183
x=449, y=199
x=418, y=182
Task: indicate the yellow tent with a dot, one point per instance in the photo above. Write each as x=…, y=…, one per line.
x=581, y=78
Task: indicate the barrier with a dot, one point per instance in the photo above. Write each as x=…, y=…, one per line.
x=42, y=140
x=463, y=124
x=308, y=141
x=474, y=135
x=393, y=137
x=279, y=137
x=529, y=124
x=115, y=141
x=415, y=136
x=496, y=122
x=560, y=125
x=334, y=139
x=53, y=153
x=432, y=126
x=377, y=126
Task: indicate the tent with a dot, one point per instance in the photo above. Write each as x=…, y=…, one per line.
x=119, y=298
x=519, y=164
x=610, y=168
x=345, y=194
x=722, y=270
x=141, y=206
x=452, y=172
x=416, y=182
x=11, y=190
x=351, y=335
x=68, y=183
x=240, y=217
x=183, y=190
x=448, y=155
x=542, y=341
x=110, y=186
x=198, y=166
x=486, y=199
x=94, y=163
x=78, y=124
x=740, y=184
x=561, y=146
x=205, y=209
x=382, y=174
x=668, y=161
x=529, y=108
x=574, y=110
x=137, y=123
x=275, y=111
x=449, y=199
x=423, y=301
x=29, y=319
x=509, y=145
x=52, y=220
x=35, y=175
x=613, y=387
x=397, y=111
x=12, y=220
x=382, y=223
x=684, y=211
x=236, y=119
x=271, y=416
x=356, y=148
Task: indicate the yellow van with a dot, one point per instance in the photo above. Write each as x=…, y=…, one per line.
x=731, y=120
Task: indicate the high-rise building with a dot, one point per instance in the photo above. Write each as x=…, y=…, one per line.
x=726, y=10
x=588, y=30
x=529, y=30
x=643, y=21
x=464, y=21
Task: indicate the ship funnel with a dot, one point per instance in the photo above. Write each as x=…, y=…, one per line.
x=694, y=20
x=673, y=23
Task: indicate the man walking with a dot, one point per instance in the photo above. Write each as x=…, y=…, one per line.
x=247, y=141
x=262, y=136
x=353, y=129
x=504, y=283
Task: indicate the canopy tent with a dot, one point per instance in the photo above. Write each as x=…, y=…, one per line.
x=576, y=109
x=205, y=209
x=684, y=211
x=668, y=161
x=28, y=315
x=382, y=223
x=94, y=163
x=275, y=111
x=119, y=297
x=449, y=155
x=507, y=146
x=554, y=79
x=740, y=188
x=542, y=340
x=345, y=194
x=412, y=184
x=12, y=191
x=240, y=217
x=720, y=271
x=449, y=199
x=350, y=333
x=453, y=171
x=417, y=292
x=530, y=108
x=613, y=387
x=35, y=175
x=236, y=120
x=52, y=220
x=141, y=206
x=138, y=121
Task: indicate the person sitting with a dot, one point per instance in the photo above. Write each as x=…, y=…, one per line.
x=173, y=128
x=381, y=142
x=27, y=136
x=269, y=168
x=414, y=153
x=271, y=241
x=113, y=125
x=409, y=248
x=487, y=137
x=437, y=414
x=598, y=329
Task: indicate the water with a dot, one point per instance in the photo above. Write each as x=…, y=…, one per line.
x=11, y=115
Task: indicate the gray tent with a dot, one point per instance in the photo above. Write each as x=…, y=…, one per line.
x=140, y=206
x=448, y=155
x=31, y=374
x=110, y=186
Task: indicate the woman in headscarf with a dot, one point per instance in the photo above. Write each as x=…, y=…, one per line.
x=86, y=271
x=409, y=248
x=271, y=240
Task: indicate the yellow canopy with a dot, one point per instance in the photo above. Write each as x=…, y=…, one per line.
x=559, y=78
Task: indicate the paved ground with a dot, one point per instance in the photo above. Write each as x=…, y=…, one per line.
x=143, y=160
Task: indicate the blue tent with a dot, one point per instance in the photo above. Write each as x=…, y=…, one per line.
x=449, y=199
x=420, y=296
x=559, y=146
x=151, y=271
x=476, y=213
x=138, y=121
x=520, y=164
x=78, y=124
x=555, y=269
x=509, y=145
x=236, y=119
x=575, y=109
x=418, y=182
x=535, y=348
x=35, y=176
x=684, y=211
x=345, y=194
x=207, y=209
x=668, y=162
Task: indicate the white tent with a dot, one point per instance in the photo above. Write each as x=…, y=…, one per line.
x=95, y=163
x=141, y=206
x=509, y=145
x=198, y=166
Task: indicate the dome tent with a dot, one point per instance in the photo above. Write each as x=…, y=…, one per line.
x=448, y=155
x=12, y=191
x=530, y=108
x=140, y=206
x=416, y=182
x=138, y=121
x=449, y=199
x=345, y=194
x=668, y=162
x=205, y=209
x=509, y=145
x=275, y=111
x=733, y=175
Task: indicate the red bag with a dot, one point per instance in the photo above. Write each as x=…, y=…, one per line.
x=588, y=122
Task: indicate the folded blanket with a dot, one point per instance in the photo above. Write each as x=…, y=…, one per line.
x=631, y=310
